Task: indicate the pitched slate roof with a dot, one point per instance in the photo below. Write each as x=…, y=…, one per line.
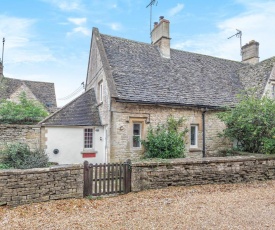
x=256, y=76
x=43, y=91
x=82, y=111
x=141, y=75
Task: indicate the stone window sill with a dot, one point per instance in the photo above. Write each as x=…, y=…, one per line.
x=195, y=150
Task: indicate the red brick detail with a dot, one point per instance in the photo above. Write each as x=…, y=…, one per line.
x=86, y=155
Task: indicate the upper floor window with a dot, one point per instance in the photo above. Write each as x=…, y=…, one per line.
x=194, y=136
x=88, y=138
x=100, y=91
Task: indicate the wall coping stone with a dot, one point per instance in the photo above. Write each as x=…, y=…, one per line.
x=41, y=170
x=207, y=160
x=3, y=126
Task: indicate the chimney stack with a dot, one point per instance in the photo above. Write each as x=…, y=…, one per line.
x=250, y=52
x=161, y=37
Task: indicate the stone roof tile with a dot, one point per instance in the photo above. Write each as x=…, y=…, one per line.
x=82, y=111
x=43, y=91
x=142, y=75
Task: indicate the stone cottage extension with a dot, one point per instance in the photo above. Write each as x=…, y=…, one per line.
x=138, y=84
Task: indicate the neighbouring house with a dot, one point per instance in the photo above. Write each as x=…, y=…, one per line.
x=41, y=92
x=131, y=85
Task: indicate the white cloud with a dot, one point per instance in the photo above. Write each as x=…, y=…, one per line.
x=115, y=26
x=175, y=10
x=256, y=23
x=77, y=21
x=114, y=6
x=80, y=29
x=21, y=44
x=66, y=5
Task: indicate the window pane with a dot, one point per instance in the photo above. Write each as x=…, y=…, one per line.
x=136, y=141
x=193, y=135
x=136, y=129
x=88, y=138
x=136, y=135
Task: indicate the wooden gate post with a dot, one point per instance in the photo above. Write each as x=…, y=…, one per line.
x=86, y=179
x=127, y=176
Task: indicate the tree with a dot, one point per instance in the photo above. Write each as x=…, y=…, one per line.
x=251, y=123
x=24, y=112
x=165, y=141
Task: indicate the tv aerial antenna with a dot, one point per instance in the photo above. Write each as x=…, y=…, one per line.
x=153, y=2
x=238, y=35
x=3, y=51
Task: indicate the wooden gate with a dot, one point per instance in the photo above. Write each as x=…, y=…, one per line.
x=104, y=179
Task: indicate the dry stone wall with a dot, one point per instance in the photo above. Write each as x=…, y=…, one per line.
x=29, y=134
x=36, y=185
x=182, y=172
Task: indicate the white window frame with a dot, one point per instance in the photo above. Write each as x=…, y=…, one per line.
x=89, y=139
x=196, y=136
x=100, y=91
x=133, y=135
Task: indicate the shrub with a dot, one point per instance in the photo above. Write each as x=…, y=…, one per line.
x=19, y=156
x=165, y=141
x=25, y=112
x=3, y=166
x=251, y=123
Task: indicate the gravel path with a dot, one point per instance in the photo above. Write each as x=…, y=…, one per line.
x=234, y=206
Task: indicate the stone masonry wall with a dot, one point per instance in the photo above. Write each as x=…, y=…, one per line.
x=181, y=172
x=36, y=185
x=29, y=134
x=124, y=114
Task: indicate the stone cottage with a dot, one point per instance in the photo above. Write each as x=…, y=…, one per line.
x=41, y=92
x=131, y=85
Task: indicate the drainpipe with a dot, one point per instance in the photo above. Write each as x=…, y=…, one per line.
x=203, y=133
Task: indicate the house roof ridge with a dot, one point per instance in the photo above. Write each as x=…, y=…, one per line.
x=207, y=55
x=28, y=80
x=179, y=50
x=125, y=39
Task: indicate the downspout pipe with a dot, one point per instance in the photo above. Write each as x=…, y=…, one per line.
x=203, y=133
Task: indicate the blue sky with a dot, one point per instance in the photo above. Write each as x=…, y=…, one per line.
x=49, y=40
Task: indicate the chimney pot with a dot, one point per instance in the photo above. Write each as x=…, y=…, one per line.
x=155, y=24
x=161, y=17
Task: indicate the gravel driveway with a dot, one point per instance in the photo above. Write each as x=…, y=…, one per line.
x=234, y=206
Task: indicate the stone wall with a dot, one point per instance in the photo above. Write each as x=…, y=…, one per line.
x=36, y=185
x=181, y=172
x=124, y=114
x=29, y=134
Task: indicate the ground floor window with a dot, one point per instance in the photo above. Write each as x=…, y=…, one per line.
x=194, y=136
x=137, y=135
x=88, y=138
